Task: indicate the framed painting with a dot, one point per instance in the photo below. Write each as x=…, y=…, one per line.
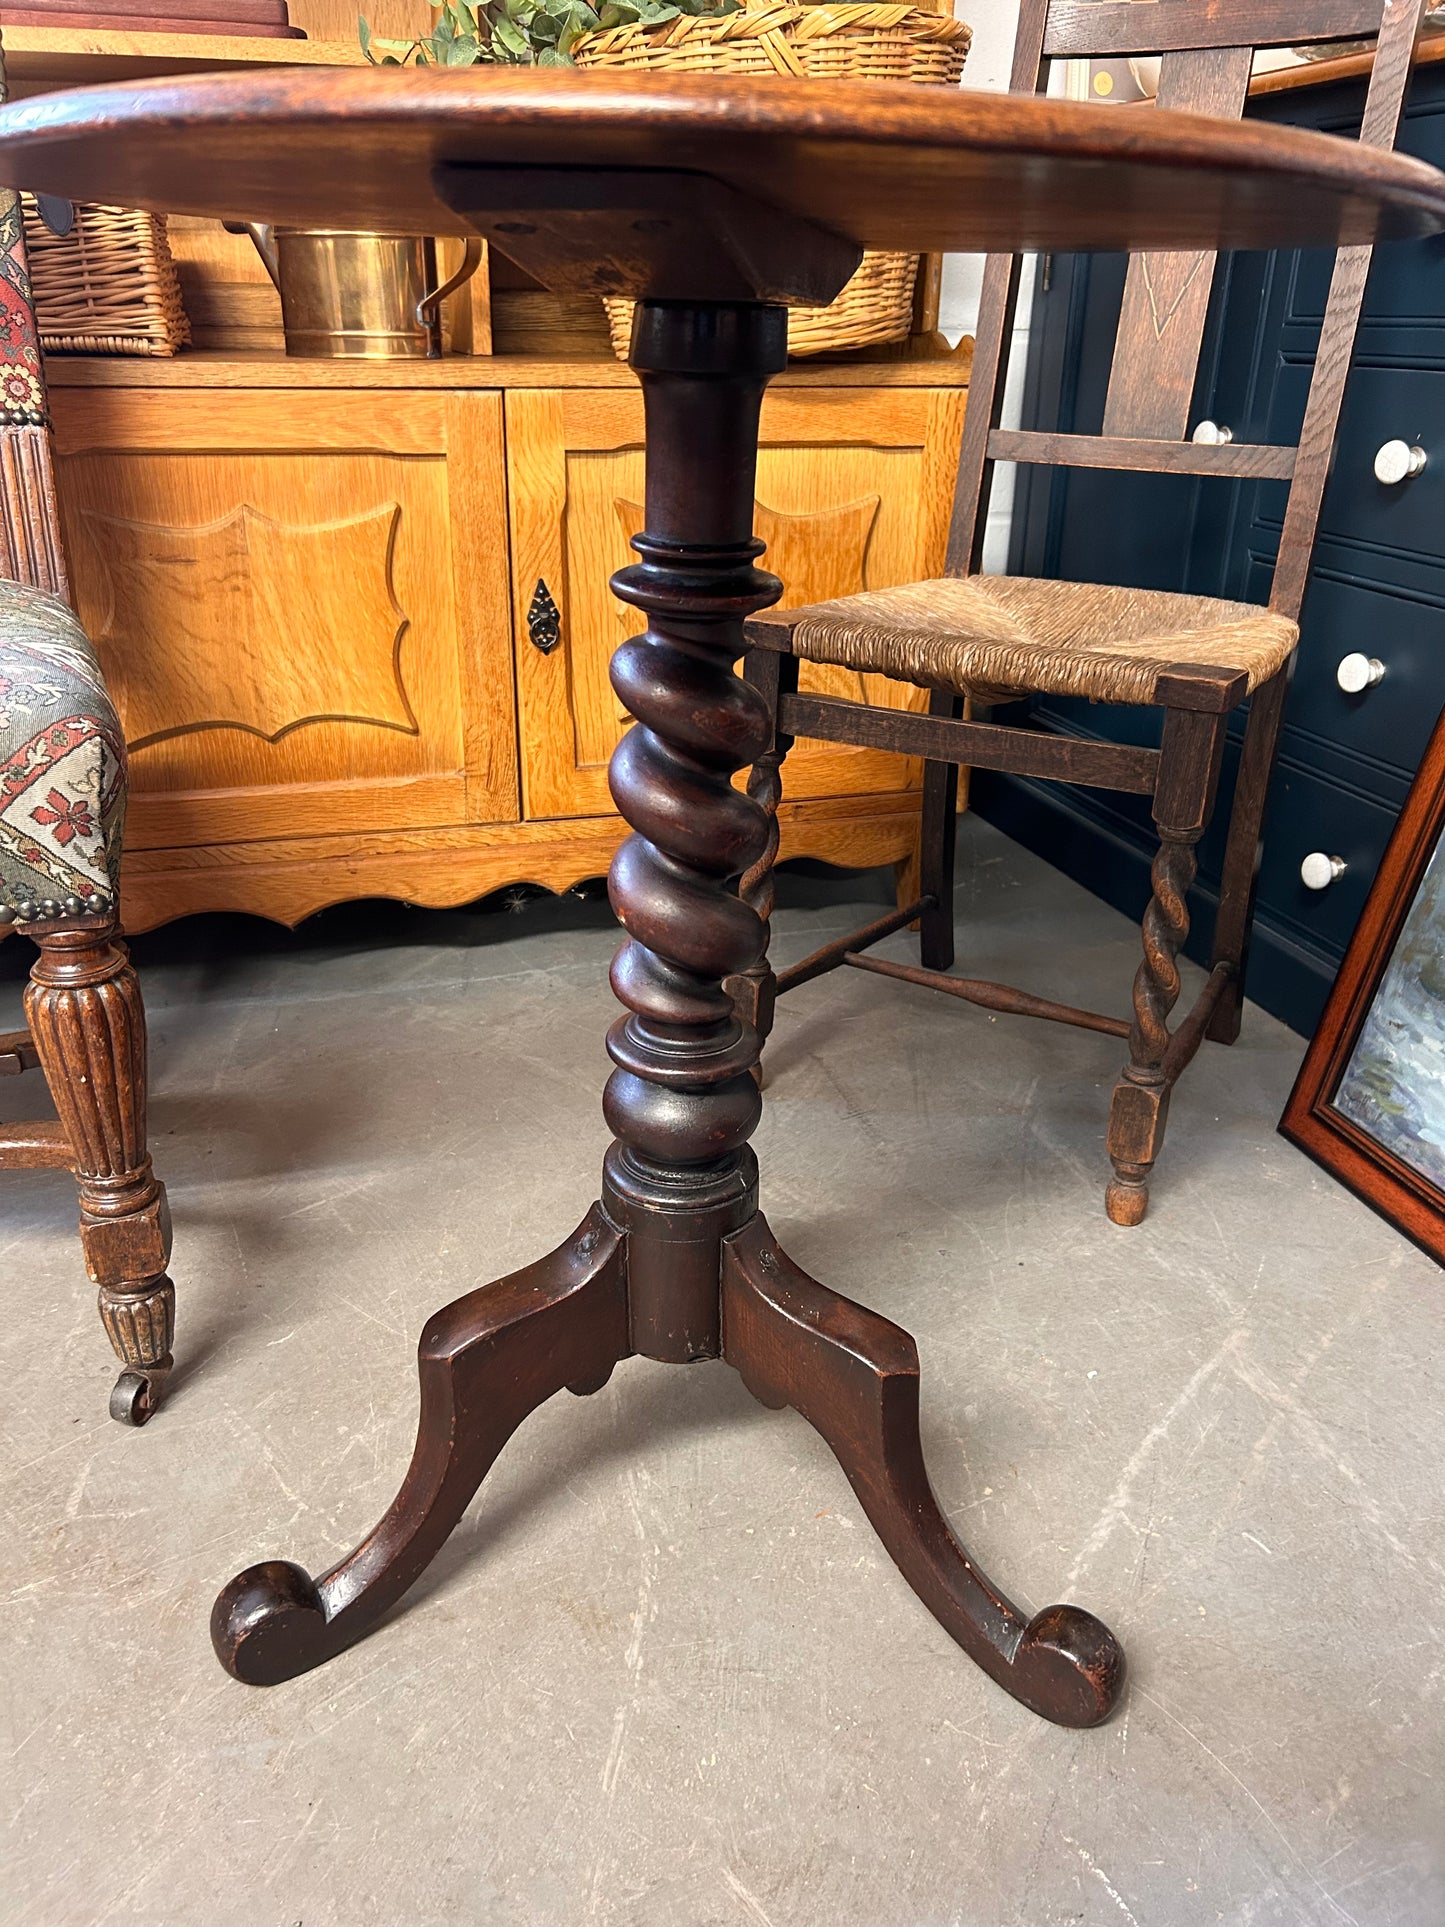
x=1369, y=1102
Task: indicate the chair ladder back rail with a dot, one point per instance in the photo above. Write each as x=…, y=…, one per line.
x=1384, y=105
x=1240, y=461
x=993, y=335
x=1108, y=29
x=1166, y=296
x=30, y=549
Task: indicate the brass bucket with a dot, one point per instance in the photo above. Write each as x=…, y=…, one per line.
x=351, y=295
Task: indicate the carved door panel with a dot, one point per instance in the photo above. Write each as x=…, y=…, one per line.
x=301, y=634
x=853, y=492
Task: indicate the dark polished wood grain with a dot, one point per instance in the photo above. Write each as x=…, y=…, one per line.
x=854, y=1377
x=752, y=188
x=39, y=1145
x=882, y=164
x=644, y=231
x=675, y=1262
x=485, y=1363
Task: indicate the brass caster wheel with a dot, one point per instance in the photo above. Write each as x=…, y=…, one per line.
x=133, y=1398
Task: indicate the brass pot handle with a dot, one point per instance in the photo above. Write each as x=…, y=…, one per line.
x=264, y=235
x=428, y=308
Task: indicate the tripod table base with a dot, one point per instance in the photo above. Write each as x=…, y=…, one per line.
x=491, y=1358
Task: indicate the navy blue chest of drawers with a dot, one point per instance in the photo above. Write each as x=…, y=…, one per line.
x=1377, y=591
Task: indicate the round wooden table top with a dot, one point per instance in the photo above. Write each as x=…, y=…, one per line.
x=883, y=163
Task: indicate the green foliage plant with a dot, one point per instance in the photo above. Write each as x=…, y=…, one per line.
x=523, y=33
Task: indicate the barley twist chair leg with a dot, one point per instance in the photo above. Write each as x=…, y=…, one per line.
x=1140, y=1106
x=84, y=1009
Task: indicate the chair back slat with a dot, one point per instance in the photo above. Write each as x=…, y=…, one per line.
x=998, y=298
x=1166, y=296
x=1107, y=29
x=1244, y=461
x=1207, y=49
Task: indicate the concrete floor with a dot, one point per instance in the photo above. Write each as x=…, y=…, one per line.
x=663, y=1675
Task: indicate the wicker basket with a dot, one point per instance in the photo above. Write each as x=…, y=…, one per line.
x=824, y=42
x=109, y=287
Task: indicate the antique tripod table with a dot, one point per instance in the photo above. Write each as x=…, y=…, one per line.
x=715, y=205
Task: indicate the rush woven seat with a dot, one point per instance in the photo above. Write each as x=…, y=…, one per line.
x=969, y=641
x=1002, y=635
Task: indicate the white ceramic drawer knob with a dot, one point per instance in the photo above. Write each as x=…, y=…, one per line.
x=1212, y=434
x=1319, y=871
x=1359, y=672
x=1397, y=461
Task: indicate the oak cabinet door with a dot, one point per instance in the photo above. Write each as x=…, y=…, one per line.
x=301, y=604
x=854, y=488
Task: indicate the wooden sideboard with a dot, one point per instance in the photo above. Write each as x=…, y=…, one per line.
x=310, y=585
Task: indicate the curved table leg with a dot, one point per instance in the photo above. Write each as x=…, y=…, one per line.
x=854, y=1377
x=485, y=1363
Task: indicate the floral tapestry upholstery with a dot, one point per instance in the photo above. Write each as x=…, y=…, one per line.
x=22, y=388
x=62, y=766
x=62, y=755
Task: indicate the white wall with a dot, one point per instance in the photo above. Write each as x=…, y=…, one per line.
x=994, y=24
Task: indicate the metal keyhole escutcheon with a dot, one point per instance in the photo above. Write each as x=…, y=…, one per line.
x=544, y=619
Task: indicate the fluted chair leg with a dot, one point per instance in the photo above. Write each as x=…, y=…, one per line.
x=83, y=1005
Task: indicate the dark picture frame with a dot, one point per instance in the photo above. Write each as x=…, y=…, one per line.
x=1370, y=1088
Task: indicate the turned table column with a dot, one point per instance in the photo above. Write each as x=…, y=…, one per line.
x=710, y=201
x=677, y=1264
x=683, y=1101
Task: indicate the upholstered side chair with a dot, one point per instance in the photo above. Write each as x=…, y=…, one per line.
x=973, y=640
x=62, y=806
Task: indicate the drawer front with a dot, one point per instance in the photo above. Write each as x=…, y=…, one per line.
x=1407, y=285
x=1406, y=288
x=1306, y=813
x=1390, y=722
x=1382, y=405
